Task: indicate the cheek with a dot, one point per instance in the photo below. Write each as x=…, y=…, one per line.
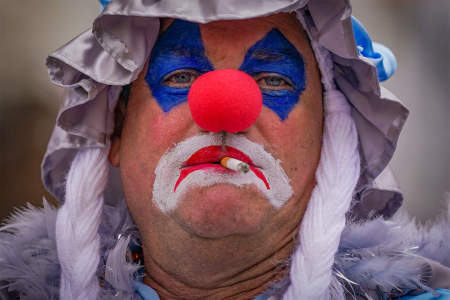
x=301, y=162
x=147, y=134
x=165, y=129
x=296, y=142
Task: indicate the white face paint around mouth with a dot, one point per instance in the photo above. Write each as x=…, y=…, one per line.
x=169, y=167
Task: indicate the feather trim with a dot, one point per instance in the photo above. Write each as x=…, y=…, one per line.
x=375, y=257
x=389, y=257
x=29, y=265
x=28, y=260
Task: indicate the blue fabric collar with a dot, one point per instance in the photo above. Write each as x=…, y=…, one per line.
x=147, y=293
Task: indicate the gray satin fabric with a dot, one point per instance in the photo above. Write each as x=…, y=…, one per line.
x=200, y=11
x=94, y=65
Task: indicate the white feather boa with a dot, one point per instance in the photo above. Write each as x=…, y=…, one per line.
x=378, y=256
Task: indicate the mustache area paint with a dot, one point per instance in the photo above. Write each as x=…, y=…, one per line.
x=179, y=57
x=194, y=162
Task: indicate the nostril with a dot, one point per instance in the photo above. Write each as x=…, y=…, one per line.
x=225, y=100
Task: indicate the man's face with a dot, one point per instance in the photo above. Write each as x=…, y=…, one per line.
x=160, y=135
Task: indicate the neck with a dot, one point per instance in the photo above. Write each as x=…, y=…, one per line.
x=181, y=264
x=229, y=275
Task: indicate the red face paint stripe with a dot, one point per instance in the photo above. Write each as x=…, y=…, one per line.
x=260, y=176
x=186, y=171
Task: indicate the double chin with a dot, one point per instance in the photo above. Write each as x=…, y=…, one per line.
x=223, y=210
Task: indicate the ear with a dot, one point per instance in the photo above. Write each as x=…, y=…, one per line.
x=114, y=152
x=119, y=119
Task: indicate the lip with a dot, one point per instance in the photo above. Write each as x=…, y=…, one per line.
x=210, y=156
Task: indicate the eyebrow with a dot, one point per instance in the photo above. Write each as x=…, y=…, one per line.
x=181, y=50
x=273, y=55
x=267, y=55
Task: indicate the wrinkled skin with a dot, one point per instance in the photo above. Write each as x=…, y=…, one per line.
x=250, y=239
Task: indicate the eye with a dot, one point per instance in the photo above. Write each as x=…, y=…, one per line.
x=273, y=82
x=180, y=78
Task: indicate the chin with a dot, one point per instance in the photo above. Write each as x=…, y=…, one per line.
x=223, y=210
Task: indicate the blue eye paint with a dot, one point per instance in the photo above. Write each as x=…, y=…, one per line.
x=179, y=47
x=275, y=54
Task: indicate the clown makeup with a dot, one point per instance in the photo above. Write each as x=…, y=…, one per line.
x=194, y=163
x=279, y=70
x=178, y=58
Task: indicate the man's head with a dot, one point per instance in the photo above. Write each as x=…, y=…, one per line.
x=159, y=136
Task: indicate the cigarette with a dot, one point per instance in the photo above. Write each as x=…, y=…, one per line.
x=234, y=164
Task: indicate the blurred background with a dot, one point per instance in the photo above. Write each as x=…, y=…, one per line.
x=417, y=31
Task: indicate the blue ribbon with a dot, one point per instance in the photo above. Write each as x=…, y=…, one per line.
x=104, y=3
x=383, y=58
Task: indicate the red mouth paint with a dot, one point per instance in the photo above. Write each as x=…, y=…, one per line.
x=209, y=157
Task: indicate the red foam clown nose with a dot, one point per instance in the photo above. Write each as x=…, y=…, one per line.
x=228, y=100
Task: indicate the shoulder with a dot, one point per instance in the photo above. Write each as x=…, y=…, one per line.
x=29, y=265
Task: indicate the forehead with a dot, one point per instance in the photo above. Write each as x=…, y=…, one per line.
x=227, y=42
